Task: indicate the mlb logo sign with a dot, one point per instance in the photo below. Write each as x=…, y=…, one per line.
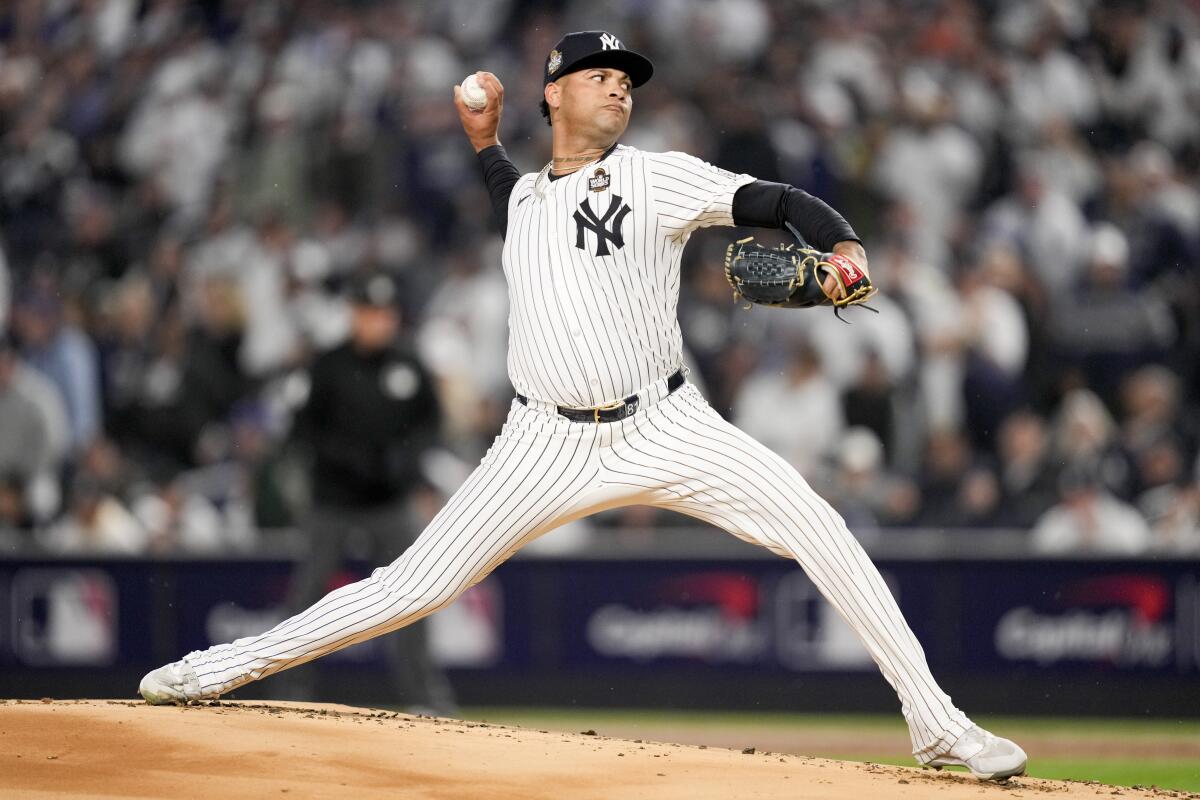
x=64, y=617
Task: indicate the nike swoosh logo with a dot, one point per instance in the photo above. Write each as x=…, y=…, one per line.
x=523, y=199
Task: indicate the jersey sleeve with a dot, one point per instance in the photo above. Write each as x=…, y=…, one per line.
x=689, y=193
x=500, y=176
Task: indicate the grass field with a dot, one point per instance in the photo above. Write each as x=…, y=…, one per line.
x=1124, y=752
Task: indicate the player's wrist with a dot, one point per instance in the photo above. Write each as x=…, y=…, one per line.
x=484, y=142
x=852, y=250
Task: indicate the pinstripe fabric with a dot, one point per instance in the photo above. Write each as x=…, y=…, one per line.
x=543, y=471
x=593, y=291
x=538, y=474
x=587, y=329
x=697, y=463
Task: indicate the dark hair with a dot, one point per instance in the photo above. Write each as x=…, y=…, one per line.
x=545, y=108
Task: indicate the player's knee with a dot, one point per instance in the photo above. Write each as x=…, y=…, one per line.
x=422, y=600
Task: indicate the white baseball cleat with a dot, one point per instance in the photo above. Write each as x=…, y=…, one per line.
x=174, y=683
x=990, y=758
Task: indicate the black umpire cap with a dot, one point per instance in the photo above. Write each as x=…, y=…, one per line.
x=584, y=49
x=377, y=290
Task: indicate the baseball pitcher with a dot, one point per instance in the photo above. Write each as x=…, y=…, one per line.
x=603, y=414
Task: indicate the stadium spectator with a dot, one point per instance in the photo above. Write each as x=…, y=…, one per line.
x=1084, y=432
x=26, y=444
x=179, y=518
x=1159, y=215
x=928, y=164
x=996, y=343
x=1088, y=519
x=49, y=402
x=1146, y=69
x=257, y=488
x=464, y=338
x=958, y=490
x=184, y=186
x=95, y=522
x=1173, y=512
x=1027, y=470
x=802, y=387
x=127, y=331
x=935, y=315
x=866, y=493
x=869, y=402
x=179, y=134
x=63, y=353
x=1108, y=328
x=1045, y=224
x=1150, y=400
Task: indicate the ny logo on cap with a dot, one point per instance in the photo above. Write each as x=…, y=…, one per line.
x=609, y=42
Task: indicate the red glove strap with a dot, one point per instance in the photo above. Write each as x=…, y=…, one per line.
x=850, y=272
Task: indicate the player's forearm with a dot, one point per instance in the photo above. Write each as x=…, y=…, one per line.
x=764, y=204
x=500, y=175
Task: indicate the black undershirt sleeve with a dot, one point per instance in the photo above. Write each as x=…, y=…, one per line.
x=500, y=175
x=764, y=204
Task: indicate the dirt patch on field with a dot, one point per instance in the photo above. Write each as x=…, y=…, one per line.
x=114, y=748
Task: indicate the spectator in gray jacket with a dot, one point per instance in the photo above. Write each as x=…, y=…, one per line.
x=25, y=444
x=65, y=355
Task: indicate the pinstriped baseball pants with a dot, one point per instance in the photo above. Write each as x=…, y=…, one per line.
x=542, y=471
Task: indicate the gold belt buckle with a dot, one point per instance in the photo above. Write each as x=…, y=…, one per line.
x=613, y=405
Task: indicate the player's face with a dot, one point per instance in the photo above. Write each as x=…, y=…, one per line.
x=599, y=99
x=374, y=328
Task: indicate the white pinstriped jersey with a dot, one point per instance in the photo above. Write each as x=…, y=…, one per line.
x=592, y=262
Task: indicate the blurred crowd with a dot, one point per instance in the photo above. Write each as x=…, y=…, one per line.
x=187, y=187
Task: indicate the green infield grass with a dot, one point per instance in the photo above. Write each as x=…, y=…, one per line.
x=1168, y=773
x=1122, y=752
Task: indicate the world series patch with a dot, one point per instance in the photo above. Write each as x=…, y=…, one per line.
x=599, y=180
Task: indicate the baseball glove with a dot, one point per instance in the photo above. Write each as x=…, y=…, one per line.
x=791, y=276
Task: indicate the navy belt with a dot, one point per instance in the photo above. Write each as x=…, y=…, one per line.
x=613, y=412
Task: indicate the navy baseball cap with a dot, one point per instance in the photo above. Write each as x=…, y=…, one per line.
x=584, y=49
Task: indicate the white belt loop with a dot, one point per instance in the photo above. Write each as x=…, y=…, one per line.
x=654, y=392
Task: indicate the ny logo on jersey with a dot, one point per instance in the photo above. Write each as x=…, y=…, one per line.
x=586, y=219
x=609, y=42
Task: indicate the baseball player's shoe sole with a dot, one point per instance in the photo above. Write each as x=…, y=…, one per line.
x=988, y=757
x=174, y=683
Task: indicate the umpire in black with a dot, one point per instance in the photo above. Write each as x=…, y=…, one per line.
x=371, y=413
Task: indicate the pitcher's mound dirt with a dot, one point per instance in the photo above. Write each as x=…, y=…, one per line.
x=111, y=748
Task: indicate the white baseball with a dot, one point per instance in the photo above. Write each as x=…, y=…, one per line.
x=473, y=94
